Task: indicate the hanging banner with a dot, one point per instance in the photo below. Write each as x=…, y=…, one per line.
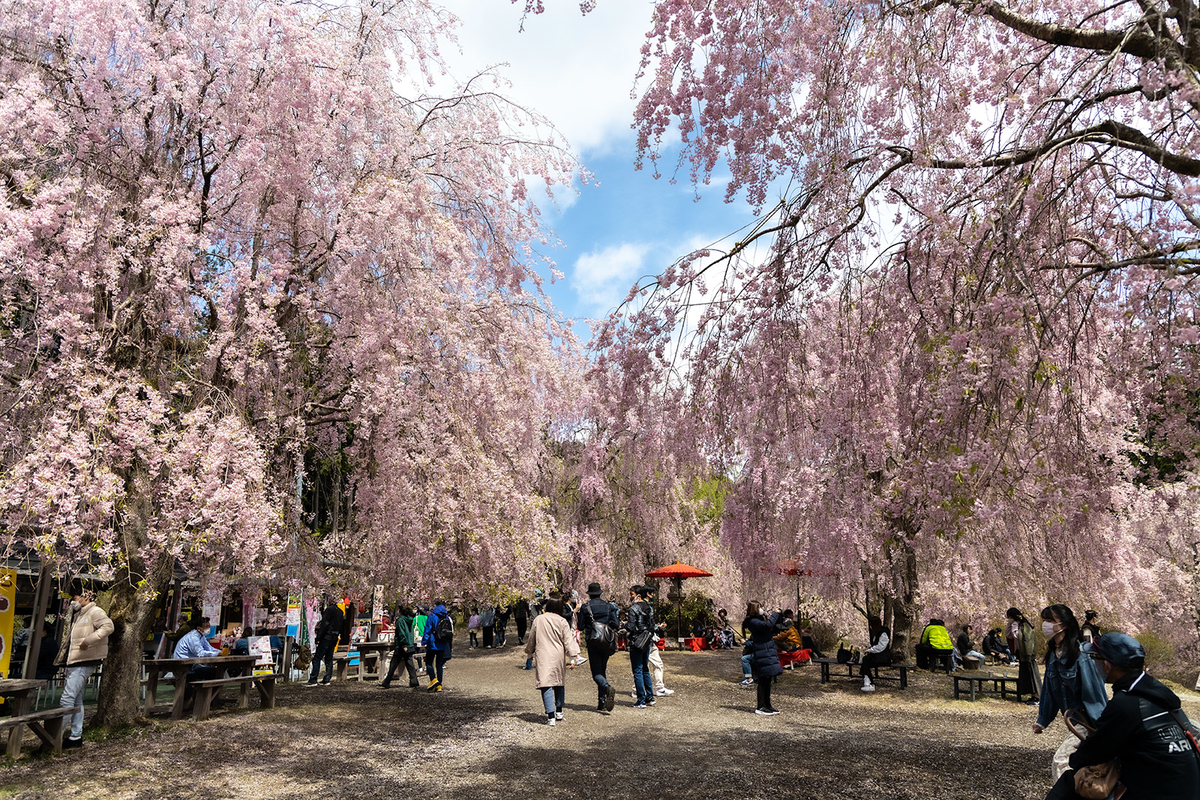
x=377, y=606
x=210, y=605
x=293, y=615
x=8, y=605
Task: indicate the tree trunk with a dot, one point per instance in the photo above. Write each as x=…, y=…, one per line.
x=132, y=611
x=133, y=599
x=903, y=562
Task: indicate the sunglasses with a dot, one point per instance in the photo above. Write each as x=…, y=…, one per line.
x=1096, y=656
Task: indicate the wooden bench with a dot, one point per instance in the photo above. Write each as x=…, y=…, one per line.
x=207, y=690
x=901, y=671
x=343, y=663
x=999, y=683
x=48, y=725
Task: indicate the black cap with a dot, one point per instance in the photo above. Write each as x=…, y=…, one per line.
x=594, y=589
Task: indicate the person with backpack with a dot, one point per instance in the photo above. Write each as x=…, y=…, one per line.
x=598, y=623
x=328, y=631
x=403, y=650
x=552, y=645
x=437, y=639
x=487, y=621
x=1142, y=725
x=639, y=634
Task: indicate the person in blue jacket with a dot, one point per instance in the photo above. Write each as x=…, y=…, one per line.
x=1070, y=682
x=437, y=647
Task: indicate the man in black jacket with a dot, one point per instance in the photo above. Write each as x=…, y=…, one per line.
x=329, y=629
x=603, y=612
x=1142, y=725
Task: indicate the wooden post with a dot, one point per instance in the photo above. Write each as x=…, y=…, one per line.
x=41, y=602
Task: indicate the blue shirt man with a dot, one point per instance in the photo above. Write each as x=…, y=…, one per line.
x=194, y=645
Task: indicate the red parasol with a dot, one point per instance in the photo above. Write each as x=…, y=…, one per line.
x=677, y=572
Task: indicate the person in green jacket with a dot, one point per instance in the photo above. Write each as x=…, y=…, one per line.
x=935, y=645
x=403, y=650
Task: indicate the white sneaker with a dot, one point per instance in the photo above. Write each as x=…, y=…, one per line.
x=558, y=715
x=633, y=694
x=550, y=721
x=580, y=660
x=870, y=687
x=663, y=692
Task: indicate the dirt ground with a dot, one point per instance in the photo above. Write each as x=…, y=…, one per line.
x=486, y=736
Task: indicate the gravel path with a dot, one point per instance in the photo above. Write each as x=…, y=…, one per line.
x=486, y=736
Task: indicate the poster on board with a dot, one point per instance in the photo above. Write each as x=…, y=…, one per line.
x=8, y=603
x=261, y=646
x=377, y=606
x=210, y=605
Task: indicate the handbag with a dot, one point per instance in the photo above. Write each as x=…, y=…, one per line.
x=641, y=640
x=844, y=654
x=1095, y=782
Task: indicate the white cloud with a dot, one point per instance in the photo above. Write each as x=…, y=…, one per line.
x=577, y=70
x=602, y=278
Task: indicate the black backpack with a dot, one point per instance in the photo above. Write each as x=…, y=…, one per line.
x=443, y=632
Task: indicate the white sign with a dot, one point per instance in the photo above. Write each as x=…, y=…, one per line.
x=261, y=646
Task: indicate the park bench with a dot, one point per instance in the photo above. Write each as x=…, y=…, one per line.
x=48, y=725
x=343, y=663
x=900, y=670
x=999, y=683
x=207, y=690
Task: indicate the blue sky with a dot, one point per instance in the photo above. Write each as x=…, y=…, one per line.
x=579, y=71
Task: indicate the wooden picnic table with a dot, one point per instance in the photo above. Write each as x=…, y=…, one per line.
x=20, y=692
x=180, y=667
x=364, y=652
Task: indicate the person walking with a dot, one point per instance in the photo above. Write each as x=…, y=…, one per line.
x=81, y=653
x=594, y=613
x=438, y=640
x=487, y=621
x=765, y=657
x=521, y=615
x=502, y=615
x=1071, y=682
x=553, y=648
x=473, y=629
x=1022, y=640
x=655, y=660
x=329, y=630
x=639, y=636
x=1142, y=725
x=403, y=650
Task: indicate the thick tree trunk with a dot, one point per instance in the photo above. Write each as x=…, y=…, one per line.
x=133, y=597
x=132, y=612
x=903, y=603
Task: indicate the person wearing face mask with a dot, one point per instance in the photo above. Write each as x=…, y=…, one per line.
x=1143, y=726
x=1071, y=682
x=84, y=648
x=194, y=644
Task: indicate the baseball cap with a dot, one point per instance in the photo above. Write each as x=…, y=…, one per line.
x=1115, y=648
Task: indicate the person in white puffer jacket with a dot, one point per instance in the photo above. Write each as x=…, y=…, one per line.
x=85, y=645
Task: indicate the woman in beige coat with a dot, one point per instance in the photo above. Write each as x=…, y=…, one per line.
x=551, y=641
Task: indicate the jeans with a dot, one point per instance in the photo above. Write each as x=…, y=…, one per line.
x=400, y=655
x=748, y=665
x=474, y=637
x=435, y=660
x=325, y=649
x=598, y=659
x=72, y=696
x=552, y=699
x=500, y=633
x=640, y=661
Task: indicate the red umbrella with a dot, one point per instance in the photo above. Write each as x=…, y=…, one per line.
x=677, y=572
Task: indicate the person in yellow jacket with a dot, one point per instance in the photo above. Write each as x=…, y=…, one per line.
x=84, y=647
x=935, y=646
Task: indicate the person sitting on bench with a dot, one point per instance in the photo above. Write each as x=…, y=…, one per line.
x=993, y=645
x=195, y=645
x=788, y=641
x=965, y=649
x=879, y=654
x=935, y=644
